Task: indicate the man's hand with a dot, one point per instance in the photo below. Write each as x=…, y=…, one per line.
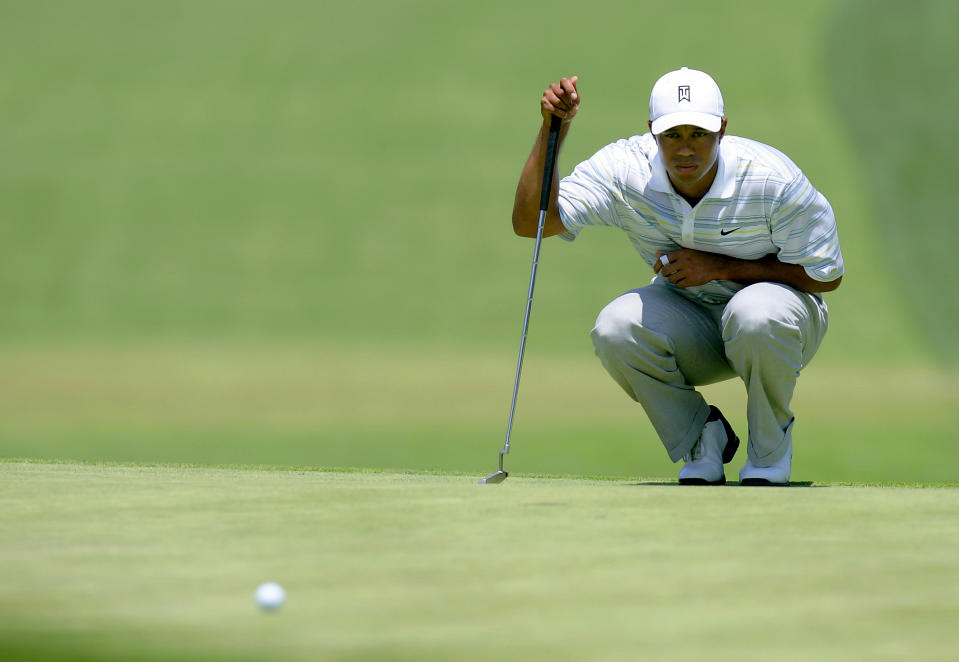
x=689, y=268
x=561, y=99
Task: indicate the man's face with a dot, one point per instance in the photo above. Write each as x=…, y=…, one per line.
x=689, y=154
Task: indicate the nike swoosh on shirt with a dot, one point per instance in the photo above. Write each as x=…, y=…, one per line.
x=725, y=232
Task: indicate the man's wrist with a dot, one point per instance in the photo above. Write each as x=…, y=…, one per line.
x=733, y=268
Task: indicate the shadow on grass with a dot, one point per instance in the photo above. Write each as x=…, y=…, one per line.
x=797, y=483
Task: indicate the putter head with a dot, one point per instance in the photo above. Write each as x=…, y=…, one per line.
x=498, y=477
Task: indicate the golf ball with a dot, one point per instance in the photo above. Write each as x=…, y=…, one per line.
x=664, y=259
x=270, y=595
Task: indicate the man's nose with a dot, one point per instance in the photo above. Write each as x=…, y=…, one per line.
x=685, y=148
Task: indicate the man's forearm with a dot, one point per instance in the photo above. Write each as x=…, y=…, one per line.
x=770, y=269
x=687, y=267
x=529, y=189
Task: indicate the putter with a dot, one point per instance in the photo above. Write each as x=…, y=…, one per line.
x=552, y=140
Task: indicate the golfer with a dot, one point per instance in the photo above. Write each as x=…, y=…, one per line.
x=741, y=247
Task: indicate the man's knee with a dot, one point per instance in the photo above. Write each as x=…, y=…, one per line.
x=762, y=314
x=615, y=325
x=759, y=323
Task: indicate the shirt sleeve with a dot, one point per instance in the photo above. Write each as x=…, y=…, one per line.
x=591, y=194
x=804, y=229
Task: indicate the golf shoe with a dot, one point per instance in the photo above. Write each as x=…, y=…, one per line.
x=716, y=446
x=775, y=475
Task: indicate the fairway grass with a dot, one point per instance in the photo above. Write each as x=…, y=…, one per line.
x=154, y=562
x=228, y=169
x=438, y=408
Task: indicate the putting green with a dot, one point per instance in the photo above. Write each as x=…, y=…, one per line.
x=106, y=562
x=248, y=233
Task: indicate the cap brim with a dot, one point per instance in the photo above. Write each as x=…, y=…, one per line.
x=702, y=120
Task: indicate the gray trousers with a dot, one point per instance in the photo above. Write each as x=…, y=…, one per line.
x=658, y=346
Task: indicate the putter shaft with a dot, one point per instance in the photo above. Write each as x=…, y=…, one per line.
x=548, y=167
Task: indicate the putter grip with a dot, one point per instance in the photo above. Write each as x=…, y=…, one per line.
x=551, y=141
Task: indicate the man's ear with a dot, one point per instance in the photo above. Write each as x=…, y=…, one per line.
x=722, y=129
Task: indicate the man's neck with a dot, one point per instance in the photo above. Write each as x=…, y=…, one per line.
x=692, y=201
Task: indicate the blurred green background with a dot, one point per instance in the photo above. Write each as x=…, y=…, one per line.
x=278, y=232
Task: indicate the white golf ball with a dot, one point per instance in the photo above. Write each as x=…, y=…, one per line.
x=270, y=595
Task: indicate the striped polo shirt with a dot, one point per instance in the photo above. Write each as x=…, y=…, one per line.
x=760, y=203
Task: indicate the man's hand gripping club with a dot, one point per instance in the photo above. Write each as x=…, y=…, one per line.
x=561, y=100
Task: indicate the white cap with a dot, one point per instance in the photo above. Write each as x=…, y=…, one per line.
x=686, y=96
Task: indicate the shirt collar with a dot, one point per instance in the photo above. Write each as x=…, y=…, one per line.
x=724, y=186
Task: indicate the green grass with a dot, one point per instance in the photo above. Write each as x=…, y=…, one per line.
x=245, y=233
x=349, y=406
x=889, y=123
x=122, y=562
x=202, y=170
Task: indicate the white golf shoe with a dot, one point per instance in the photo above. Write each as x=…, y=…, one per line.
x=776, y=475
x=716, y=446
